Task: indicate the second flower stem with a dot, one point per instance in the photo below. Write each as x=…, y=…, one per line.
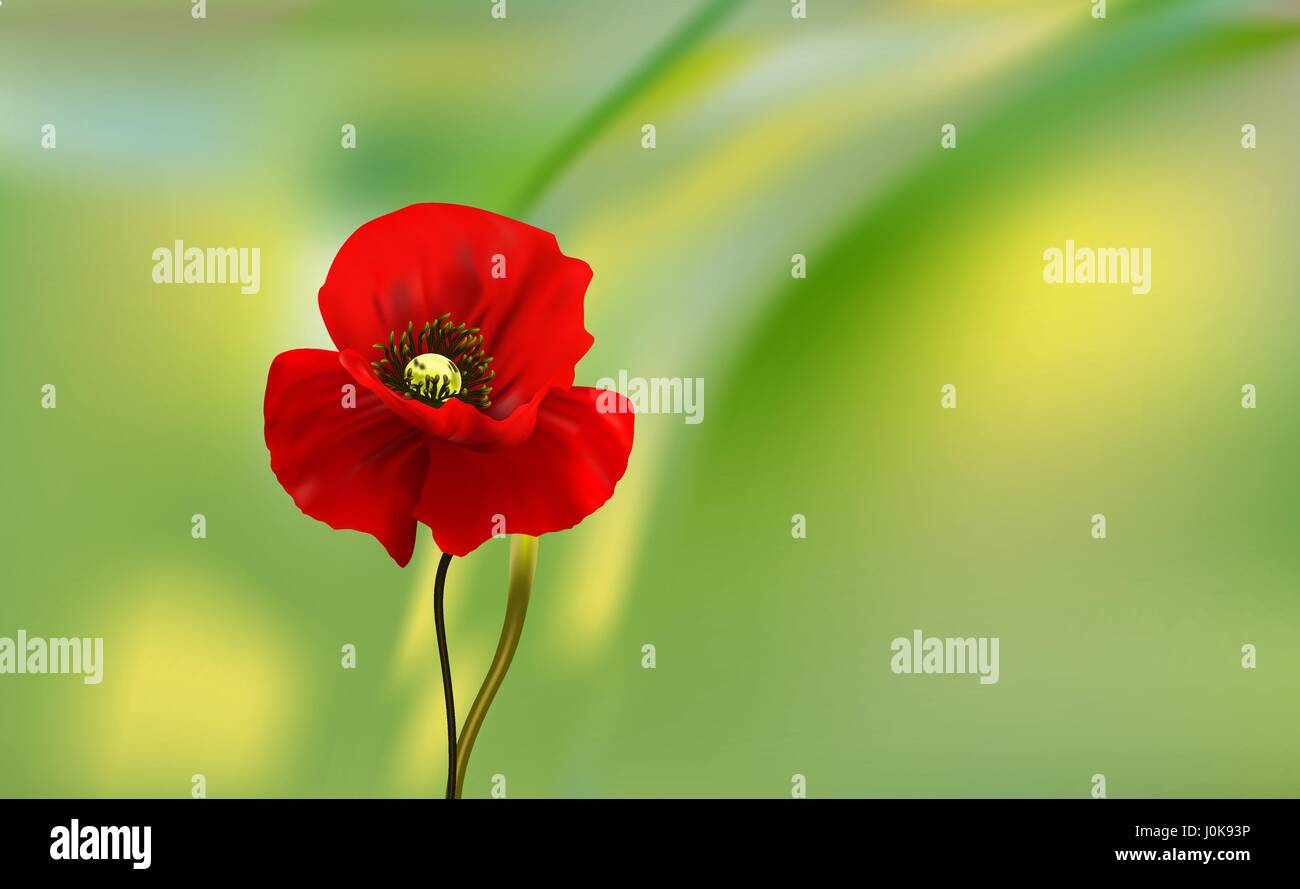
x=523, y=565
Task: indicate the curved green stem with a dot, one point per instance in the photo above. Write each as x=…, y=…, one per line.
x=523, y=565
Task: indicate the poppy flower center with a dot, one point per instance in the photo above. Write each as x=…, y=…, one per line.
x=432, y=376
x=436, y=363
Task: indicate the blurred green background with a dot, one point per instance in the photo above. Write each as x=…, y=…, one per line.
x=775, y=136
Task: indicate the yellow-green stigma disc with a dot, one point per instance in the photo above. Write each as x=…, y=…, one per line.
x=432, y=376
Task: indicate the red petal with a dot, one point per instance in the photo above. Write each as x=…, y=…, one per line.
x=564, y=472
x=413, y=265
x=360, y=468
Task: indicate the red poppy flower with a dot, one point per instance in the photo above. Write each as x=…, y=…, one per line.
x=450, y=400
